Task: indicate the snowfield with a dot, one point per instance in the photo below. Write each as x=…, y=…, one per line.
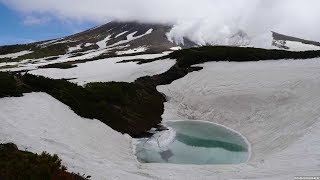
x=297, y=46
x=33, y=64
x=37, y=122
x=106, y=70
x=15, y=55
x=274, y=104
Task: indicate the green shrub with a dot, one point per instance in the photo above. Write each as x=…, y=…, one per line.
x=53, y=50
x=188, y=57
x=22, y=165
x=126, y=107
x=9, y=86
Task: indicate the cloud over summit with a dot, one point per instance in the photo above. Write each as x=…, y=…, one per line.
x=201, y=20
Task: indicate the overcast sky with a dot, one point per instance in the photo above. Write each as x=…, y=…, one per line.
x=204, y=20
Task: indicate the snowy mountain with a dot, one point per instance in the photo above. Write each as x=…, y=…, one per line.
x=282, y=41
x=94, y=96
x=112, y=39
x=124, y=38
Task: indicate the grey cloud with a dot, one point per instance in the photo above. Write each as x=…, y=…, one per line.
x=204, y=21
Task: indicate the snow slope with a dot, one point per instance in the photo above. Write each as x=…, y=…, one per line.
x=277, y=97
x=106, y=70
x=15, y=55
x=274, y=104
x=37, y=122
x=294, y=46
x=298, y=46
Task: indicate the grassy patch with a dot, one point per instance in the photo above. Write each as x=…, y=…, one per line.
x=16, y=165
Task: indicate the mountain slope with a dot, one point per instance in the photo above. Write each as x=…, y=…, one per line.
x=114, y=38
x=291, y=43
x=126, y=38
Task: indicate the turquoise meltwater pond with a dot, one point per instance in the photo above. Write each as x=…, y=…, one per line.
x=193, y=142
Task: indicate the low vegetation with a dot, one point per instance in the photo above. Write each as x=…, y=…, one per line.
x=53, y=50
x=22, y=165
x=10, y=86
x=38, y=52
x=126, y=107
x=15, y=48
x=72, y=64
x=59, y=66
x=133, y=108
x=188, y=57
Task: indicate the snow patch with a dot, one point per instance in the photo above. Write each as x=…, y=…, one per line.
x=88, y=44
x=16, y=55
x=131, y=37
x=106, y=70
x=297, y=46
x=103, y=44
x=37, y=122
x=121, y=34
x=175, y=48
x=78, y=47
x=131, y=51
